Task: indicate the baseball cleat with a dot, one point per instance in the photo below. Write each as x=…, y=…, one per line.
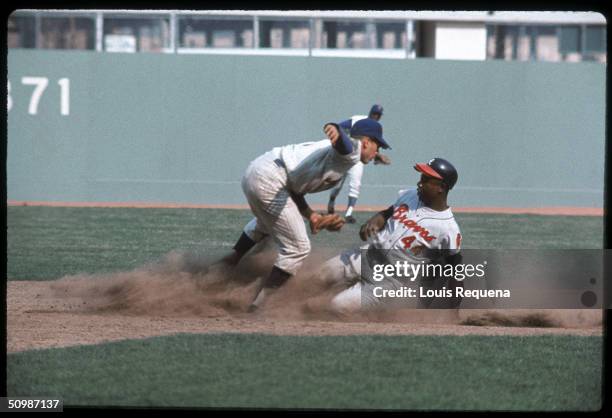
x=350, y=220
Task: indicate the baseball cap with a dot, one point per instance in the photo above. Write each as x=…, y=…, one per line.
x=376, y=109
x=439, y=168
x=371, y=128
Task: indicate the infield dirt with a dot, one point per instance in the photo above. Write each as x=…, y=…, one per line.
x=182, y=294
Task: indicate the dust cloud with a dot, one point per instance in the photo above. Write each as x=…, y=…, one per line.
x=189, y=284
x=192, y=284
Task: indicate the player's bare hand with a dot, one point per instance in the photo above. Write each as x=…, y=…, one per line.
x=332, y=133
x=372, y=226
x=382, y=159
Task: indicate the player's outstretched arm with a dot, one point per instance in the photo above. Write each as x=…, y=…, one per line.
x=375, y=223
x=340, y=141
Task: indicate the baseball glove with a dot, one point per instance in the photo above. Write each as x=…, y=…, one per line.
x=331, y=222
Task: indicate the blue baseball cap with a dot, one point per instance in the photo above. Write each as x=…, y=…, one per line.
x=376, y=109
x=370, y=128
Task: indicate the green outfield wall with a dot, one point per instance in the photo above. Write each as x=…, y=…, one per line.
x=182, y=128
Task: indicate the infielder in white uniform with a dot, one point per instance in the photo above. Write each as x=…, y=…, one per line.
x=356, y=172
x=276, y=182
x=420, y=221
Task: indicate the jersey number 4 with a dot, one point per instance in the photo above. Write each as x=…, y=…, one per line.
x=407, y=241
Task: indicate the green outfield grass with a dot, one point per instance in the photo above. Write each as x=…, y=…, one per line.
x=363, y=372
x=48, y=243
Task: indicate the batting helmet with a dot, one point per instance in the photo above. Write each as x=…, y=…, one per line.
x=441, y=169
x=376, y=110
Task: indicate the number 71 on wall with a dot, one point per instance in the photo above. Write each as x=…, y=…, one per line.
x=40, y=85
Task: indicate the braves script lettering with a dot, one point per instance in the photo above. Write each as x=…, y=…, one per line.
x=400, y=215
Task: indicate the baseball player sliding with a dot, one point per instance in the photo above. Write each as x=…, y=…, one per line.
x=356, y=172
x=275, y=185
x=420, y=220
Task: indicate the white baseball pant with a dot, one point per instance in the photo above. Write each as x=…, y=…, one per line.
x=358, y=295
x=276, y=214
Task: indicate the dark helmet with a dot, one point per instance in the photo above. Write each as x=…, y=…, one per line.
x=376, y=110
x=441, y=169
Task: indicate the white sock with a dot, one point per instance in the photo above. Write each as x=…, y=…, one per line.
x=349, y=211
x=261, y=296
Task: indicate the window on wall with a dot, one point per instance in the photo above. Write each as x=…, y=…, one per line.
x=349, y=35
x=20, y=32
x=125, y=34
x=511, y=42
x=524, y=44
x=570, y=43
x=391, y=35
x=547, y=44
x=595, y=43
x=67, y=33
x=284, y=34
x=200, y=32
x=503, y=42
x=569, y=39
x=595, y=39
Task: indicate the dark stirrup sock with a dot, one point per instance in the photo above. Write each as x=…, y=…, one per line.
x=244, y=244
x=276, y=278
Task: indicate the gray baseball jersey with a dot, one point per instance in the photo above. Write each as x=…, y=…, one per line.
x=415, y=226
x=411, y=230
x=315, y=166
x=270, y=179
